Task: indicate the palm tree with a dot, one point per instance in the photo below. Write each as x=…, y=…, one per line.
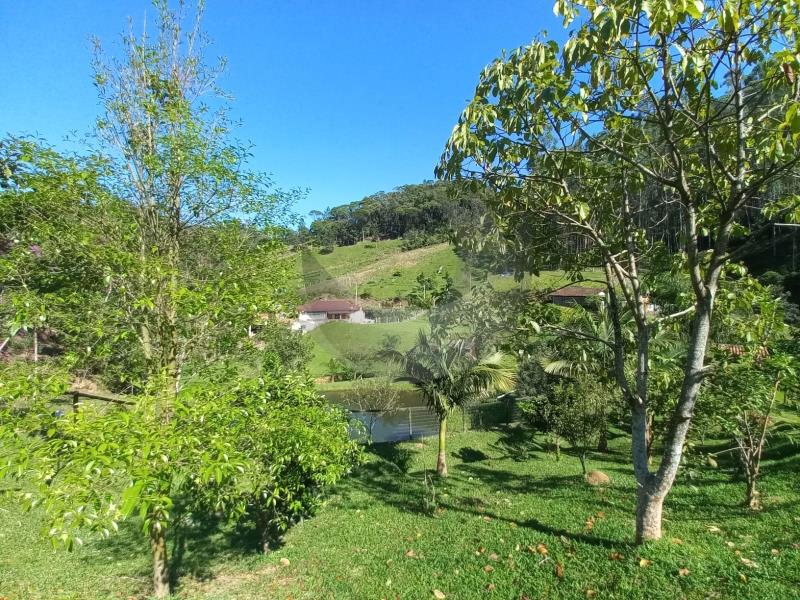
x=450, y=373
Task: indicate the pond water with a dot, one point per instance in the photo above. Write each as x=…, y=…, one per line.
x=405, y=398
x=410, y=419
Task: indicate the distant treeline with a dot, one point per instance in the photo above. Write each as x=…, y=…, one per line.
x=420, y=213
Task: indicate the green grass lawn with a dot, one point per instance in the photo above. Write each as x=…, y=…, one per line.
x=384, y=533
x=334, y=339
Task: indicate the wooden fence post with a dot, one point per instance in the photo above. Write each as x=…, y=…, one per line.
x=75, y=402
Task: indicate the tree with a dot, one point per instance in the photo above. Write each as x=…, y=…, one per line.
x=755, y=365
x=743, y=401
x=449, y=373
x=650, y=108
x=373, y=396
x=149, y=261
x=580, y=413
x=433, y=290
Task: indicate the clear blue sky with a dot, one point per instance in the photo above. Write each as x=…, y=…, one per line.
x=343, y=97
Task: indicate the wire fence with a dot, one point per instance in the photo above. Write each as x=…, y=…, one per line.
x=413, y=422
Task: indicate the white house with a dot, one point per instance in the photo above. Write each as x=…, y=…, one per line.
x=316, y=313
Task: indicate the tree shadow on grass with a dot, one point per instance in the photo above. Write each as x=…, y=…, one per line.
x=517, y=443
x=470, y=455
x=194, y=548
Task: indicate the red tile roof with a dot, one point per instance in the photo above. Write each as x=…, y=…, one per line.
x=330, y=306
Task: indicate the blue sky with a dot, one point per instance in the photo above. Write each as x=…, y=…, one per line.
x=344, y=97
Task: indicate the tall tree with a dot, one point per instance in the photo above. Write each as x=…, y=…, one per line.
x=449, y=373
x=649, y=105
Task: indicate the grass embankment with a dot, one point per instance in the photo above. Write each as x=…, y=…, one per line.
x=335, y=340
x=509, y=523
x=384, y=271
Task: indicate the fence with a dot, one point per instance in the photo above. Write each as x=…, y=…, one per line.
x=414, y=422
x=75, y=396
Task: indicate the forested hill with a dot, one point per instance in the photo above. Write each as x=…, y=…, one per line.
x=420, y=213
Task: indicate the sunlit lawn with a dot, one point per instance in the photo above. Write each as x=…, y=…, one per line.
x=386, y=534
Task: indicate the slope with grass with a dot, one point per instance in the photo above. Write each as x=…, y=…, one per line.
x=382, y=270
x=337, y=339
x=511, y=522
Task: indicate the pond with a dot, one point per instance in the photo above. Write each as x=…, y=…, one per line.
x=410, y=419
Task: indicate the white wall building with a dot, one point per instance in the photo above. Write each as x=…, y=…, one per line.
x=316, y=313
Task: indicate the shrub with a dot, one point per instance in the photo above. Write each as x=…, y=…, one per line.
x=326, y=250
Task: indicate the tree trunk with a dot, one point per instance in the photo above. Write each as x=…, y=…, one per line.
x=158, y=547
x=35, y=345
x=582, y=458
x=649, y=437
x=557, y=442
x=441, y=462
x=648, y=516
x=602, y=442
x=753, y=495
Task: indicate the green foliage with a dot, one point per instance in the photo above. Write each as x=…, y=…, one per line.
x=451, y=373
x=266, y=446
x=421, y=214
x=418, y=239
x=433, y=290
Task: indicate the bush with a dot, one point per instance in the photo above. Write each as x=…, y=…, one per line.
x=326, y=250
x=418, y=239
x=264, y=448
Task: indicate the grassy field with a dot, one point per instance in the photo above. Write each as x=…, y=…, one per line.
x=380, y=269
x=384, y=271
x=509, y=523
x=336, y=339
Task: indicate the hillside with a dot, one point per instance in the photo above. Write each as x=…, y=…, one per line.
x=383, y=271
x=380, y=271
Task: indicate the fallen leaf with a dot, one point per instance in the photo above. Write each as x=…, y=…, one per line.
x=589, y=524
x=601, y=515
x=743, y=577
x=488, y=569
x=590, y=593
x=564, y=540
x=645, y=562
x=730, y=544
x=493, y=556
x=490, y=587
x=677, y=541
x=285, y=562
x=517, y=547
x=683, y=571
x=616, y=556
x=559, y=570
x=388, y=583
x=775, y=552
x=410, y=553
x=747, y=562
x=439, y=595
x=487, y=519
x=713, y=529
x=541, y=549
